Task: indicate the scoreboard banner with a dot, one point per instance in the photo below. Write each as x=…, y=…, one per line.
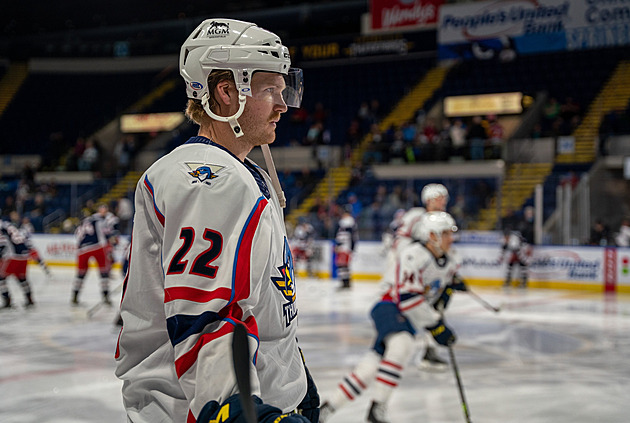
x=504, y=28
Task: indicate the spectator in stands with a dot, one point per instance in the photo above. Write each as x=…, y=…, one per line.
x=443, y=145
x=299, y=116
x=537, y=131
x=476, y=138
x=496, y=137
x=355, y=204
x=8, y=206
x=314, y=135
x=622, y=238
x=90, y=156
x=320, y=114
x=600, y=234
x=124, y=152
x=457, y=133
x=569, y=109
x=551, y=111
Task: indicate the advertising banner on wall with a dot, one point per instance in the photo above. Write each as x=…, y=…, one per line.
x=566, y=267
x=404, y=14
x=504, y=28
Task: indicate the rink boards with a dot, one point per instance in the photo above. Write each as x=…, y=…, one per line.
x=555, y=267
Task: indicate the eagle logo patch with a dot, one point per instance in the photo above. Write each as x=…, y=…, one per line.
x=203, y=172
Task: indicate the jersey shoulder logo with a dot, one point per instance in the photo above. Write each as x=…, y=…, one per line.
x=203, y=172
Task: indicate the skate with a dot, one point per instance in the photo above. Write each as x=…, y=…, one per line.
x=378, y=413
x=106, y=300
x=29, y=301
x=325, y=411
x=432, y=362
x=6, y=304
x=75, y=299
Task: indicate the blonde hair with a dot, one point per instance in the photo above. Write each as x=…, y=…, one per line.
x=194, y=110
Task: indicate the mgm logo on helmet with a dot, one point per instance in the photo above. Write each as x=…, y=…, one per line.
x=218, y=29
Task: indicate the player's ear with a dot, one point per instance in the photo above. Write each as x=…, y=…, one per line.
x=225, y=93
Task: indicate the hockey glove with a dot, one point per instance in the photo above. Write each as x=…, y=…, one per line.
x=442, y=334
x=443, y=299
x=232, y=412
x=309, y=407
x=458, y=284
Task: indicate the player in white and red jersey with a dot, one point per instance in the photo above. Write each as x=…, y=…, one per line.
x=410, y=305
x=302, y=244
x=435, y=198
x=14, y=253
x=209, y=248
x=94, y=236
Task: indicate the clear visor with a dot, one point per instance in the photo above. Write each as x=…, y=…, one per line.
x=292, y=94
x=277, y=88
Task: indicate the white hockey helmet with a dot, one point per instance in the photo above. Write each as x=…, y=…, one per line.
x=435, y=222
x=431, y=191
x=243, y=48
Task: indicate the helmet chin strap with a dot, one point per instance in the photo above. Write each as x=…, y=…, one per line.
x=232, y=120
x=238, y=132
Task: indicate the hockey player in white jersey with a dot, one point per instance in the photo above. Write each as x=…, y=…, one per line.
x=409, y=306
x=209, y=248
x=435, y=198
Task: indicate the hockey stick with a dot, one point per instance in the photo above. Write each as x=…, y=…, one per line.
x=240, y=357
x=96, y=307
x=484, y=302
x=459, y=384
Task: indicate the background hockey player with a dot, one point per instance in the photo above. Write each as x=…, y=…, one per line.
x=94, y=235
x=14, y=253
x=434, y=197
x=516, y=251
x=345, y=242
x=302, y=244
x=27, y=229
x=209, y=247
x=424, y=271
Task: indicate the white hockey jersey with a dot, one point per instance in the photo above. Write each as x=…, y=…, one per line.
x=401, y=240
x=209, y=249
x=420, y=280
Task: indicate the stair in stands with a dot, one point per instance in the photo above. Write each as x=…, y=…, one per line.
x=518, y=186
x=614, y=96
x=11, y=82
x=337, y=179
x=122, y=188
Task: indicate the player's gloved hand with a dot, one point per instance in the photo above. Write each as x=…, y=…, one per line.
x=442, y=334
x=309, y=407
x=231, y=411
x=443, y=299
x=458, y=284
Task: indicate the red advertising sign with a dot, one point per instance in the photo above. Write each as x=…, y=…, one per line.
x=391, y=14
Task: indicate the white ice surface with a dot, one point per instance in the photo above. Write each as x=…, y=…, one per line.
x=547, y=356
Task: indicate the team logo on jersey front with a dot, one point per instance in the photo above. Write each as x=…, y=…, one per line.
x=286, y=285
x=203, y=172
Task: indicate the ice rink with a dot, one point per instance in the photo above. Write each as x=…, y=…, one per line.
x=547, y=356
